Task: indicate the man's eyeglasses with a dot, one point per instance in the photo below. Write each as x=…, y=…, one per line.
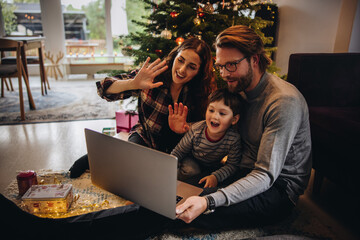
x=231, y=66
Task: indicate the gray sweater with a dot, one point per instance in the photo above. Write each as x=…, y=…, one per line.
x=276, y=142
x=195, y=144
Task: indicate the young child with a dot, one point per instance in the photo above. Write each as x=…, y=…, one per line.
x=207, y=142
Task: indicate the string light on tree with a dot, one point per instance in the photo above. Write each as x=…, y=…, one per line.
x=158, y=52
x=199, y=35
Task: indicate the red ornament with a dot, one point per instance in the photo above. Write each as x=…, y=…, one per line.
x=200, y=12
x=174, y=14
x=179, y=40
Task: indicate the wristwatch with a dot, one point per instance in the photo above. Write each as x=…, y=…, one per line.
x=210, y=204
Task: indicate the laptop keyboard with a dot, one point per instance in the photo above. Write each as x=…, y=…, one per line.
x=178, y=199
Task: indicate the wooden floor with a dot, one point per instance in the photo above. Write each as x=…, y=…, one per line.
x=43, y=146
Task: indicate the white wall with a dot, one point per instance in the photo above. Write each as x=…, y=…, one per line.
x=119, y=18
x=53, y=25
x=309, y=26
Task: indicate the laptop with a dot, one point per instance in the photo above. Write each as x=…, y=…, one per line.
x=142, y=175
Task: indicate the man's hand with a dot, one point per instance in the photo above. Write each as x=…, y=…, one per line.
x=177, y=118
x=145, y=77
x=210, y=181
x=191, y=208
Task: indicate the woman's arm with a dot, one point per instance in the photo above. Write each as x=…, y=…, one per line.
x=143, y=80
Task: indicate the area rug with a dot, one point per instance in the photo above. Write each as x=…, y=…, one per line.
x=302, y=224
x=65, y=101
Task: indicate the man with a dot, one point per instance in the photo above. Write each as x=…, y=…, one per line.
x=275, y=131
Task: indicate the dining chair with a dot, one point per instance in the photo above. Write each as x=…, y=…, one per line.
x=11, y=88
x=30, y=60
x=15, y=70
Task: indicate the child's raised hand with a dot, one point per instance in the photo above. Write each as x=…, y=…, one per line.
x=177, y=118
x=210, y=181
x=145, y=77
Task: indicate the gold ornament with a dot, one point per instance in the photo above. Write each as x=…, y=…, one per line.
x=166, y=34
x=209, y=8
x=197, y=20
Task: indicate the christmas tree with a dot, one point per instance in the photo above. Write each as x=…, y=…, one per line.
x=172, y=21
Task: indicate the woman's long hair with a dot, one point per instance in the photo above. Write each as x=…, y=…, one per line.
x=199, y=86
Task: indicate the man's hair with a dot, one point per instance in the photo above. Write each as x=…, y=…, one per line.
x=246, y=41
x=232, y=100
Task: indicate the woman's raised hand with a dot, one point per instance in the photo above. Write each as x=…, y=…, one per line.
x=177, y=118
x=145, y=77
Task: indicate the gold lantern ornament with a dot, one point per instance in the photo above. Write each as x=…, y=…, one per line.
x=209, y=8
x=179, y=40
x=166, y=34
x=197, y=20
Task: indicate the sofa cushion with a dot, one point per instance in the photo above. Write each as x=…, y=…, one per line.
x=8, y=70
x=343, y=123
x=12, y=60
x=327, y=79
x=335, y=141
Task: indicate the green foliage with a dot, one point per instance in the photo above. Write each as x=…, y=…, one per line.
x=26, y=1
x=136, y=12
x=10, y=23
x=71, y=8
x=111, y=73
x=95, y=13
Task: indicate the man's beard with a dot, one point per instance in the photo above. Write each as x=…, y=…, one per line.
x=242, y=82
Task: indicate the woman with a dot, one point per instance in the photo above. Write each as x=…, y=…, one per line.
x=183, y=78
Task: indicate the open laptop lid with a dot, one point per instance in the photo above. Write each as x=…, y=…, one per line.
x=139, y=174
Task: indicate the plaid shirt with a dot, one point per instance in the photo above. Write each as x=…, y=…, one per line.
x=153, y=104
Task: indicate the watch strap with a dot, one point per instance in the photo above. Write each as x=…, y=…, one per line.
x=210, y=204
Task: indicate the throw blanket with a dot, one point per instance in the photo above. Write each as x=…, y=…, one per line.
x=88, y=198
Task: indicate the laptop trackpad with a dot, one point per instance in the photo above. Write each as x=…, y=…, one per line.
x=185, y=190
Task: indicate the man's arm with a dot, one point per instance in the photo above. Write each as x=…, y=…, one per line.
x=281, y=123
x=280, y=130
x=232, y=162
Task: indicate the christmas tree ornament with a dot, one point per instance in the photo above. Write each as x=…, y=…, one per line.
x=200, y=12
x=209, y=8
x=174, y=14
x=179, y=40
x=166, y=34
x=197, y=20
